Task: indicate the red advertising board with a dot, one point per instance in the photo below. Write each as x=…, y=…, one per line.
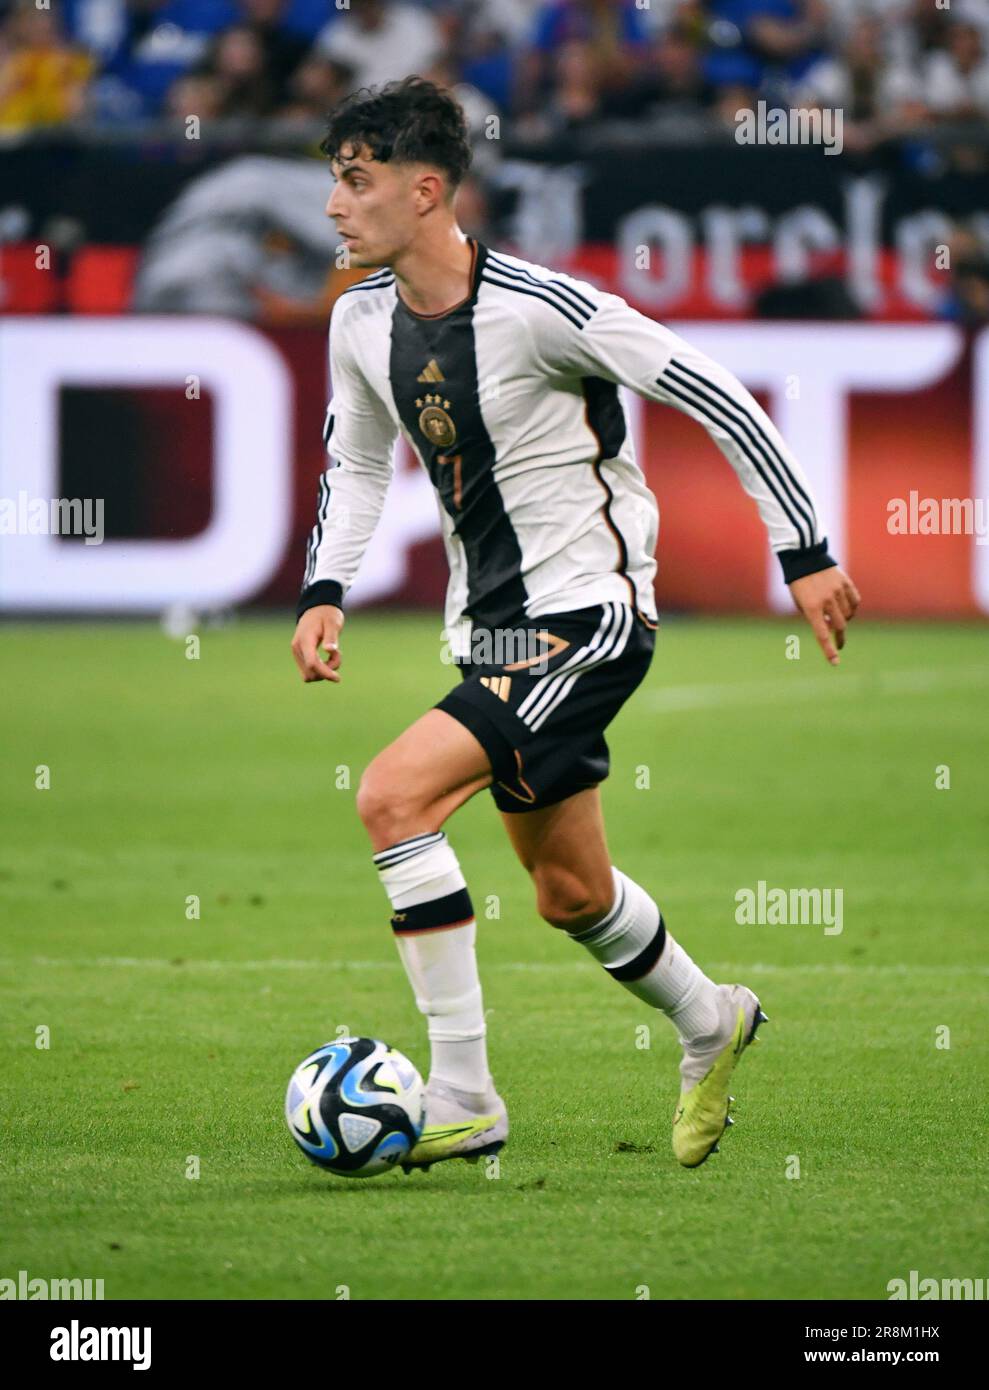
x=881, y=424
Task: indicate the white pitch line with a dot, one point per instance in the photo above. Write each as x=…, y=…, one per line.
x=533, y=967
x=191, y=963
x=913, y=682
x=721, y=967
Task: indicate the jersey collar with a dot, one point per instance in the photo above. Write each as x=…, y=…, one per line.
x=479, y=254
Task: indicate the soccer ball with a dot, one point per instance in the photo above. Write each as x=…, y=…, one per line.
x=355, y=1107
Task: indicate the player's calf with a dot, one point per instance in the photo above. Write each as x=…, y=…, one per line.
x=569, y=899
x=632, y=943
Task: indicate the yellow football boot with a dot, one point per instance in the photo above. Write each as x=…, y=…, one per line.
x=702, y=1112
x=459, y=1124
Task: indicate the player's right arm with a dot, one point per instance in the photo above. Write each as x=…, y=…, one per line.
x=603, y=336
x=360, y=435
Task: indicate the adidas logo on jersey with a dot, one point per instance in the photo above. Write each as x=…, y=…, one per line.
x=431, y=372
x=498, y=685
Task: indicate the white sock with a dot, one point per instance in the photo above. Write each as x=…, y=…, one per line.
x=435, y=930
x=634, y=946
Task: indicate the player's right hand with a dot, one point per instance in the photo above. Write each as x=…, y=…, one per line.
x=318, y=628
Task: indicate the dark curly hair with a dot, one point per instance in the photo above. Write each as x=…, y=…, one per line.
x=413, y=121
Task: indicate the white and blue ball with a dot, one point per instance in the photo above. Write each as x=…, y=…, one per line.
x=355, y=1107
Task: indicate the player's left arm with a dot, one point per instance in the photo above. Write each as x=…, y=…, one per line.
x=616, y=342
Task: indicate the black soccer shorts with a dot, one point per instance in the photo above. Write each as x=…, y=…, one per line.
x=541, y=718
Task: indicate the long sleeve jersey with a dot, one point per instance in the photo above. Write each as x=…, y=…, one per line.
x=510, y=401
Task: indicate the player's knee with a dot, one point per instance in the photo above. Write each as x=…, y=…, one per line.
x=385, y=809
x=567, y=901
x=375, y=802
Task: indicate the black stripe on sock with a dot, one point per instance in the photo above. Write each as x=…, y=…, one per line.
x=448, y=911
x=592, y=933
x=641, y=964
x=405, y=849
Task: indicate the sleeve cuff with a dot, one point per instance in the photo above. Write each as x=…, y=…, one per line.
x=798, y=563
x=324, y=591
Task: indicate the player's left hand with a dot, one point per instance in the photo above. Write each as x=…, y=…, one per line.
x=828, y=600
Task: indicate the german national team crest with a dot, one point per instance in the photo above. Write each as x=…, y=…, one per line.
x=435, y=421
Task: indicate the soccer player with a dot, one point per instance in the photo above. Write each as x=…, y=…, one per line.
x=503, y=376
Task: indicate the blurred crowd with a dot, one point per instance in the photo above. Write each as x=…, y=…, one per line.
x=549, y=66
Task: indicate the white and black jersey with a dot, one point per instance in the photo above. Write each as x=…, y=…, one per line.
x=510, y=401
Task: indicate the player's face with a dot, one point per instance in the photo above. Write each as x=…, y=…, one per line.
x=373, y=206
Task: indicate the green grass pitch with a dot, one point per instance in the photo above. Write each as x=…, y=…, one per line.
x=172, y=1038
